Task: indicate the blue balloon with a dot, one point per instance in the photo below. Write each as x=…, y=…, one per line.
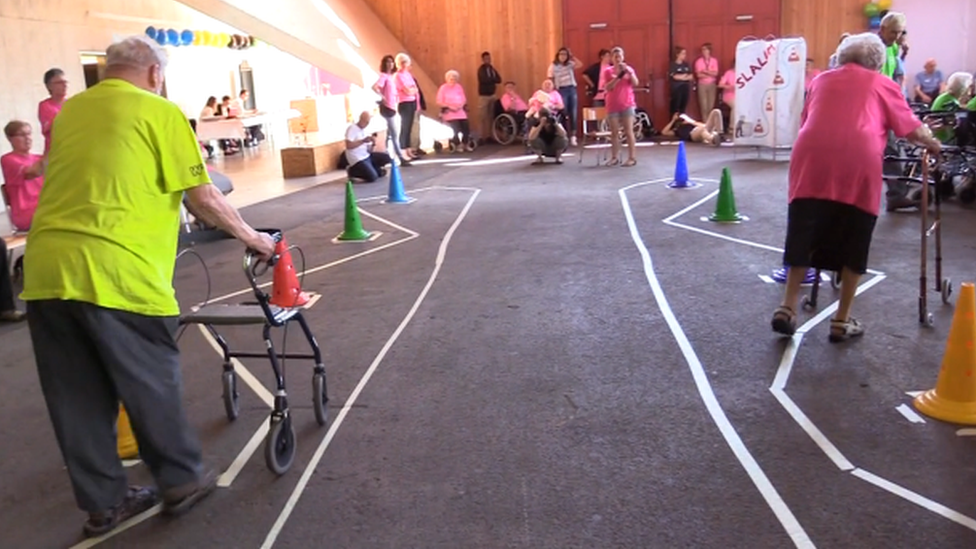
x=187, y=37
x=173, y=37
x=161, y=38
x=875, y=22
x=151, y=32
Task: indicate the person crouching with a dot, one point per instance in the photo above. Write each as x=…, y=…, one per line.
x=835, y=177
x=547, y=138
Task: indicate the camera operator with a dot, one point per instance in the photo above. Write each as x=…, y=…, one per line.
x=547, y=137
x=363, y=162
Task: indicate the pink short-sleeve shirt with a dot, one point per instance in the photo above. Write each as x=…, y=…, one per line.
x=621, y=97
x=47, y=111
x=512, y=102
x=838, y=154
x=388, y=90
x=404, y=80
x=711, y=66
x=452, y=96
x=23, y=193
x=728, y=94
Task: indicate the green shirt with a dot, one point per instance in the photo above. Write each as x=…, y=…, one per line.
x=944, y=102
x=971, y=106
x=891, y=61
x=107, y=221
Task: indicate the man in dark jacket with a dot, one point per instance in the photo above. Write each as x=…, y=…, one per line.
x=488, y=81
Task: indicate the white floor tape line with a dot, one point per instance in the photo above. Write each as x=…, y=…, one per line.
x=340, y=417
x=732, y=438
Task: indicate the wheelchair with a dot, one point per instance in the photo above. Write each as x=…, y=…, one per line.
x=643, y=127
x=458, y=142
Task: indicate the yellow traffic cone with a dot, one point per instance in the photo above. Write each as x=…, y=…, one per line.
x=128, y=449
x=954, y=397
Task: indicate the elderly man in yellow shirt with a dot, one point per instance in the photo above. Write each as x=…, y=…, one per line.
x=98, y=271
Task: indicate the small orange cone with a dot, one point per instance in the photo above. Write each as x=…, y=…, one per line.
x=127, y=446
x=954, y=397
x=286, y=291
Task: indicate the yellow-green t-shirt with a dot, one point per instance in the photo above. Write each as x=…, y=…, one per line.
x=944, y=102
x=107, y=221
x=971, y=106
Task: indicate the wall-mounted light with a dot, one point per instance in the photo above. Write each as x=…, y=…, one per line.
x=598, y=25
x=743, y=18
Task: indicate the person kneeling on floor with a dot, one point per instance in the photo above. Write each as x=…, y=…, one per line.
x=547, y=137
x=835, y=179
x=363, y=162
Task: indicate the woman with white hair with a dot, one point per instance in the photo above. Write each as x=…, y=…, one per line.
x=835, y=178
x=408, y=98
x=454, y=107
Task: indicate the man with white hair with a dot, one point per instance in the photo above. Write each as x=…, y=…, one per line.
x=98, y=274
x=952, y=100
x=891, y=33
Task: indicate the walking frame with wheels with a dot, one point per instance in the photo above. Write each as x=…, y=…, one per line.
x=280, y=443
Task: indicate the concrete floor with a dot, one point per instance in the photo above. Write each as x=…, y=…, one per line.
x=525, y=376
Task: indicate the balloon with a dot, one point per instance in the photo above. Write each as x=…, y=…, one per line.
x=253, y=41
x=151, y=32
x=884, y=5
x=173, y=37
x=205, y=38
x=161, y=38
x=871, y=10
x=197, y=38
x=186, y=37
x=874, y=22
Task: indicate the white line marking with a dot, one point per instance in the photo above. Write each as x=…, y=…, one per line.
x=694, y=205
x=130, y=462
x=909, y=414
x=767, y=279
x=827, y=447
x=725, y=237
x=915, y=498
x=913, y=394
x=228, y=476
x=122, y=527
x=334, y=427
x=752, y=468
x=373, y=235
x=966, y=433
x=382, y=197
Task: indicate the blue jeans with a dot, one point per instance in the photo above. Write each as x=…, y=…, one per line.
x=571, y=103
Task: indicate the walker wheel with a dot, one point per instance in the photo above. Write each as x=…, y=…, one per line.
x=451, y=147
x=231, y=404
x=807, y=303
x=835, y=281
x=929, y=320
x=946, y=290
x=279, y=448
x=471, y=145
x=320, y=397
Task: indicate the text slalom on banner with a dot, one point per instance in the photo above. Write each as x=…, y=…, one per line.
x=769, y=91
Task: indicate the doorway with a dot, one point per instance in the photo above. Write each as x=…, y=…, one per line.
x=93, y=66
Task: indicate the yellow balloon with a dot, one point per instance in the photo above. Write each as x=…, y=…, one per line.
x=224, y=40
x=884, y=5
x=197, y=38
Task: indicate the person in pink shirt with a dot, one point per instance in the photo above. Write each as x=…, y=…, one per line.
x=408, y=98
x=621, y=106
x=835, y=176
x=454, y=107
x=48, y=109
x=22, y=175
x=511, y=101
x=389, y=102
x=547, y=97
x=811, y=73
x=706, y=72
x=727, y=85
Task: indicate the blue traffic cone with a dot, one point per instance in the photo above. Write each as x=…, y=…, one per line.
x=681, y=170
x=396, y=194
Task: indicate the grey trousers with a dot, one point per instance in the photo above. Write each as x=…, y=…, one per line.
x=88, y=360
x=896, y=189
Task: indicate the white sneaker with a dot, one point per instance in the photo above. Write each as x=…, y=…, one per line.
x=572, y=141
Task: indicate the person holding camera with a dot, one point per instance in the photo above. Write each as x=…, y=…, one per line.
x=547, y=137
x=363, y=162
x=621, y=106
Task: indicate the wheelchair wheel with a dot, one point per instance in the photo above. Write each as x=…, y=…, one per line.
x=231, y=404
x=504, y=129
x=470, y=145
x=807, y=303
x=320, y=397
x=279, y=448
x=946, y=290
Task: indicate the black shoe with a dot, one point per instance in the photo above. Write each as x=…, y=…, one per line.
x=138, y=500
x=179, y=500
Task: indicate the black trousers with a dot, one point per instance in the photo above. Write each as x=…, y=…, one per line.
x=88, y=360
x=408, y=111
x=369, y=170
x=679, y=99
x=6, y=288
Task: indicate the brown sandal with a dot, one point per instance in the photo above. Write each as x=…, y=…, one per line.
x=784, y=321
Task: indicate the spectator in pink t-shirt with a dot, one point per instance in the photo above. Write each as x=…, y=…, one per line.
x=835, y=177
x=706, y=72
x=408, y=97
x=47, y=110
x=22, y=175
x=511, y=101
x=389, y=102
x=727, y=85
x=547, y=97
x=454, y=107
x=621, y=106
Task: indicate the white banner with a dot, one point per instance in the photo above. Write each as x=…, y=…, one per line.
x=769, y=93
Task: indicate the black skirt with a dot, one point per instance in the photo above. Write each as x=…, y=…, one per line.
x=828, y=235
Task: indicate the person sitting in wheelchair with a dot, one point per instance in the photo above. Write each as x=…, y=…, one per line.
x=454, y=108
x=547, y=98
x=958, y=88
x=512, y=103
x=547, y=137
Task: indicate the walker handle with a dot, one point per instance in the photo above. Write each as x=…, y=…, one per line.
x=253, y=267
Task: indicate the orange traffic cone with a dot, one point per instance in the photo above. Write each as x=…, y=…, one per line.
x=127, y=446
x=286, y=291
x=954, y=397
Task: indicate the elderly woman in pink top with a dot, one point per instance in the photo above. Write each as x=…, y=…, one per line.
x=835, y=178
x=454, y=107
x=22, y=175
x=408, y=98
x=547, y=97
x=386, y=88
x=621, y=106
x=48, y=109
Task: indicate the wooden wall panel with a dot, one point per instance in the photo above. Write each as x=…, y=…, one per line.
x=441, y=35
x=821, y=24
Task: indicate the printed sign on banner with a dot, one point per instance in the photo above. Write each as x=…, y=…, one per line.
x=769, y=94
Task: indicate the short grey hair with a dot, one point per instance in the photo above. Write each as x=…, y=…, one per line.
x=865, y=49
x=958, y=83
x=401, y=59
x=454, y=73
x=138, y=52
x=892, y=18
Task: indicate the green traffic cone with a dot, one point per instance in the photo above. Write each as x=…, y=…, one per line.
x=725, y=208
x=354, y=226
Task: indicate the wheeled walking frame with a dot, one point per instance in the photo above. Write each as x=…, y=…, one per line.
x=280, y=443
